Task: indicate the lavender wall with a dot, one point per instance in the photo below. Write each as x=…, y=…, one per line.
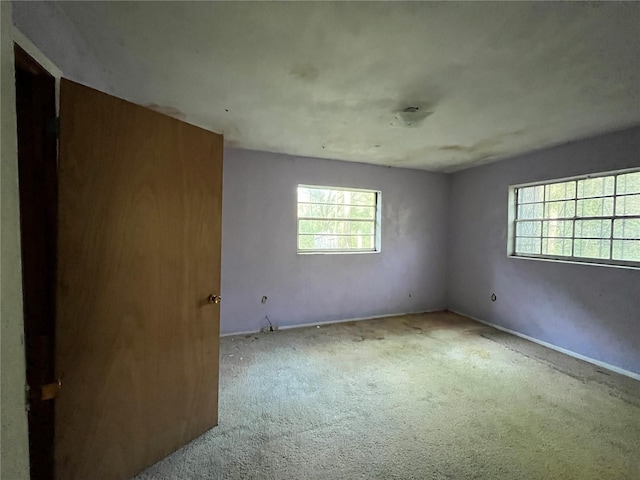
x=591, y=310
x=259, y=244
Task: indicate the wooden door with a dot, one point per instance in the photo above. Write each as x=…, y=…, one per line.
x=138, y=255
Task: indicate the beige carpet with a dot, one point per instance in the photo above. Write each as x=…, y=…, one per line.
x=433, y=396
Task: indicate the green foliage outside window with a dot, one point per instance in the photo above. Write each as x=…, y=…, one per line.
x=336, y=219
x=588, y=218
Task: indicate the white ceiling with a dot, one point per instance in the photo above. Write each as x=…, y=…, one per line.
x=328, y=79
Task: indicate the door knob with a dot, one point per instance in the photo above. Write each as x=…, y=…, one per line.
x=214, y=298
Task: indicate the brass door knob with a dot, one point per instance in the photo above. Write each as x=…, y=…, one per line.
x=214, y=298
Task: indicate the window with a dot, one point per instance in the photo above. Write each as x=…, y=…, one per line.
x=593, y=219
x=333, y=219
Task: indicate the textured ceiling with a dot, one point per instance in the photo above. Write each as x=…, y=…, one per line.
x=328, y=79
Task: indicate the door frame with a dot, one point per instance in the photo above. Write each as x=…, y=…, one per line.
x=45, y=62
x=37, y=165
x=32, y=62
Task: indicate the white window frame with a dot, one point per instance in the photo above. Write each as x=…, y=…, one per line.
x=377, y=236
x=512, y=220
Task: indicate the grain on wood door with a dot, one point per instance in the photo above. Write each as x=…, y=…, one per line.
x=140, y=199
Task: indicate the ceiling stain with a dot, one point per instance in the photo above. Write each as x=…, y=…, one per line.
x=484, y=70
x=482, y=145
x=305, y=72
x=481, y=152
x=455, y=148
x=167, y=110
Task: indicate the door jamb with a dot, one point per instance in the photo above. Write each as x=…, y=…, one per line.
x=45, y=62
x=41, y=466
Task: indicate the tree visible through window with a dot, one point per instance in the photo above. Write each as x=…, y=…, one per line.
x=332, y=219
x=592, y=218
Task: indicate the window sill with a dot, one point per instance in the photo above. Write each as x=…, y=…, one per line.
x=576, y=262
x=362, y=252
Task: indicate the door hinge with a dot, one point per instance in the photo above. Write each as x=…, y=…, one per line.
x=50, y=390
x=53, y=127
x=45, y=392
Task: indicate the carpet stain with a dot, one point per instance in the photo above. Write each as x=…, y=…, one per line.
x=435, y=396
x=478, y=352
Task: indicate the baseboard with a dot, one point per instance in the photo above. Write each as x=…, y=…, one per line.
x=593, y=361
x=357, y=319
x=330, y=322
x=244, y=332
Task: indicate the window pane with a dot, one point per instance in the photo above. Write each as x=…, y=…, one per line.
x=330, y=242
x=304, y=195
x=337, y=219
x=355, y=242
x=333, y=226
x=556, y=246
x=527, y=245
x=592, y=218
x=626, y=228
x=306, y=242
x=560, y=191
x=531, y=194
x=533, y=210
x=361, y=212
x=363, y=198
x=327, y=195
x=629, y=205
x=528, y=229
x=316, y=242
x=628, y=183
x=626, y=250
x=591, y=248
x=595, y=207
x=557, y=228
x=321, y=211
x=593, y=229
x=595, y=187
x=324, y=196
x=335, y=211
x=559, y=209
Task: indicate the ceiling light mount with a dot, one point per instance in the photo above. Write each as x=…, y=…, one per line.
x=412, y=115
